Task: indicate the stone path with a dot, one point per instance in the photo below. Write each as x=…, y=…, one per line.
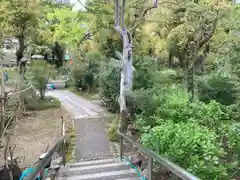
x=91, y=139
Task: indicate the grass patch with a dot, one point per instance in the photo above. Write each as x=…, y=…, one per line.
x=38, y=104
x=87, y=95
x=70, y=143
x=112, y=129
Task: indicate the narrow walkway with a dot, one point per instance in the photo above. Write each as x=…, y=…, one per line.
x=91, y=139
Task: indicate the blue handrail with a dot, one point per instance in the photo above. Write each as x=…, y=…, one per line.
x=27, y=172
x=136, y=169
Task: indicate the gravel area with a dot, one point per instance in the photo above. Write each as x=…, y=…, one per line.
x=33, y=133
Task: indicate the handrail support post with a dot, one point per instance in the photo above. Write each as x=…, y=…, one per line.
x=150, y=165
x=121, y=148
x=42, y=175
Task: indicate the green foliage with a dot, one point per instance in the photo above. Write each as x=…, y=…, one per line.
x=112, y=130
x=144, y=72
x=218, y=87
x=109, y=79
x=39, y=74
x=189, y=134
x=109, y=84
x=191, y=146
x=157, y=102
x=39, y=104
x=194, y=135
x=70, y=143
x=85, y=75
x=158, y=106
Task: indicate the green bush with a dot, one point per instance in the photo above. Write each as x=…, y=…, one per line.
x=175, y=128
x=217, y=87
x=39, y=104
x=109, y=84
x=39, y=74
x=77, y=74
x=109, y=79
x=144, y=73
x=191, y=146
x=85, y=75
x=158, y=103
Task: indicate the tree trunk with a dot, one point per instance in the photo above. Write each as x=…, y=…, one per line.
x=126, y=68
x=20, y=63
x=42, y=93
x=126, y=80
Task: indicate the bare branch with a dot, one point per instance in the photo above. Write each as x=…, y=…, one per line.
x=7, y=126
x=6, y=149
x=145, y=11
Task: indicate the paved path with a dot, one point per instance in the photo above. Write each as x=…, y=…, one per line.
x=91, y=139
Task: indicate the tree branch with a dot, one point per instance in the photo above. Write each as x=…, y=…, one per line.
x=145, y=11
x=123, y=14
x=205, y=40
x=117, y=17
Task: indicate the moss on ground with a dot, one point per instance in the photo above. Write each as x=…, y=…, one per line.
x=70, y=143
x=112, y=129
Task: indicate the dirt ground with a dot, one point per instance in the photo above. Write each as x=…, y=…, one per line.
x=33, y=133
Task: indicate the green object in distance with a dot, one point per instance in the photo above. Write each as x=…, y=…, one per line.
x=66, y=57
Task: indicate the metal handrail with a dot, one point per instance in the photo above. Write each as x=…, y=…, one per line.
x=43, y=162
x=175, y=169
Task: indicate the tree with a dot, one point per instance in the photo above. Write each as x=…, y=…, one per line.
x=39, y=74
x=126, y=65
x=19, y=19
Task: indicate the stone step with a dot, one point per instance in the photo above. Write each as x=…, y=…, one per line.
x=131, y=178
x=112, y=175
x=94, y=169
x=92, y=162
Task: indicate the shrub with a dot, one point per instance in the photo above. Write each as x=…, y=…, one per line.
x=109, y=84
x=109, y=79
x=144, y=72
x=77, y=74
x=39, y=104
x=160, y=105
x=39, y=74
x=191, y=146
x=217, y=87
x=170, y=125
x=85, y=75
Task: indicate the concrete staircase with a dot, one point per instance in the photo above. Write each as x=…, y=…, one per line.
x=104, y=169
